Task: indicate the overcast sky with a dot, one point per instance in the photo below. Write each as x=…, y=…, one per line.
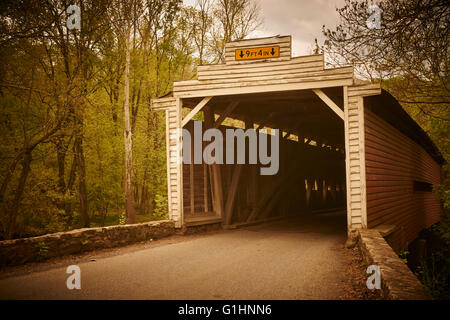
x=303, y=19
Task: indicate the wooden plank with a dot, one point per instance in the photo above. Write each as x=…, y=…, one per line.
x=191, y=179
x=282, y=58
x=180, y=220
x=330, y=103
x=365, y=90
x=162, y=103
x=258, y=42
x=256, y=68
x=261, y=84
x=258, y=64
x=216, y=175
x=297, y=85
x=168, y=166
x=337, y=73
x=262, y=72
x=232, y=191
x=347, y=161
x=205, y=188
x=363, y=200
x=194, y=111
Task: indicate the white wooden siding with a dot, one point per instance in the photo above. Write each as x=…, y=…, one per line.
x=172, y=107
x=355, y=153
x=226, y=83
x=284, y=42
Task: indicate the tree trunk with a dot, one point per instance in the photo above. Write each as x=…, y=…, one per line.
x=82, y=190
x=18, y=194
x=129, y=199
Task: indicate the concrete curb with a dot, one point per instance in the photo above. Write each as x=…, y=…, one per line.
x=397, y=280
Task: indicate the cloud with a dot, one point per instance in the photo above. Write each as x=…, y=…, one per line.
x=302, y=19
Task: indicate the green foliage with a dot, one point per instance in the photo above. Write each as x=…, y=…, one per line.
x=434, y=270
x=122, y=218
x=434, y=273
x=403, y=255
x=162, y=208
x=42, y=250
x=443, y=190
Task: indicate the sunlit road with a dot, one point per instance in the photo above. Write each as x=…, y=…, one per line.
x=284, y=260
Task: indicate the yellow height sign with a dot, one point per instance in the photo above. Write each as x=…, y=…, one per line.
x=257, y=53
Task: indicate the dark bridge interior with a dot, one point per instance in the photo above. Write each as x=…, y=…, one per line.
x=311, y=175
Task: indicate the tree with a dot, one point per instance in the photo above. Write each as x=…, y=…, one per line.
x=201, y=23
x=412, y=43
x=233, y=20
x=124, y=17
x=408, y=54
x=66, y=94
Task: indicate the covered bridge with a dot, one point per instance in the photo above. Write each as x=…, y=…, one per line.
x=343, y=144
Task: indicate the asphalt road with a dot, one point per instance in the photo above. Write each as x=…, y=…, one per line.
x=294, y=259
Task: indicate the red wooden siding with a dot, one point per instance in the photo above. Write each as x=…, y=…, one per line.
x=393, y=162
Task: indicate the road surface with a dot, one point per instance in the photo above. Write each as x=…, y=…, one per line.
x=294, y=259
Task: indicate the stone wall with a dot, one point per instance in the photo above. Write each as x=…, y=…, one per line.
x=397, y=280
x=19, y=251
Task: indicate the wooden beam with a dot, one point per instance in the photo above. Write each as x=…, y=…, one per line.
x=287, y=135
x=251, y=175
x=197, y=109
x=191, y=179
x=216, y=176
x=225, y=113
x=329, y=103
x=205, y=188
x=273, y=193
x=200, y=92
x=302, y=187
x=232, y=192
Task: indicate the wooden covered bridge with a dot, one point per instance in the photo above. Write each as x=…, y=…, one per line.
x=343, y=144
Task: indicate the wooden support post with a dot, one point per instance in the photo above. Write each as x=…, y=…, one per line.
x=216, y=176
x=232, y=191
x=251, y=176
x=309, y=188
x=325, y=191
x=205, y=188
x=302, y=155
x=319, y=176
x=283, y=174
x=211, y=186
x=191, y=179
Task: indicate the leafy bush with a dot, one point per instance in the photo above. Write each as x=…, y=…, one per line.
x=161, y=208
